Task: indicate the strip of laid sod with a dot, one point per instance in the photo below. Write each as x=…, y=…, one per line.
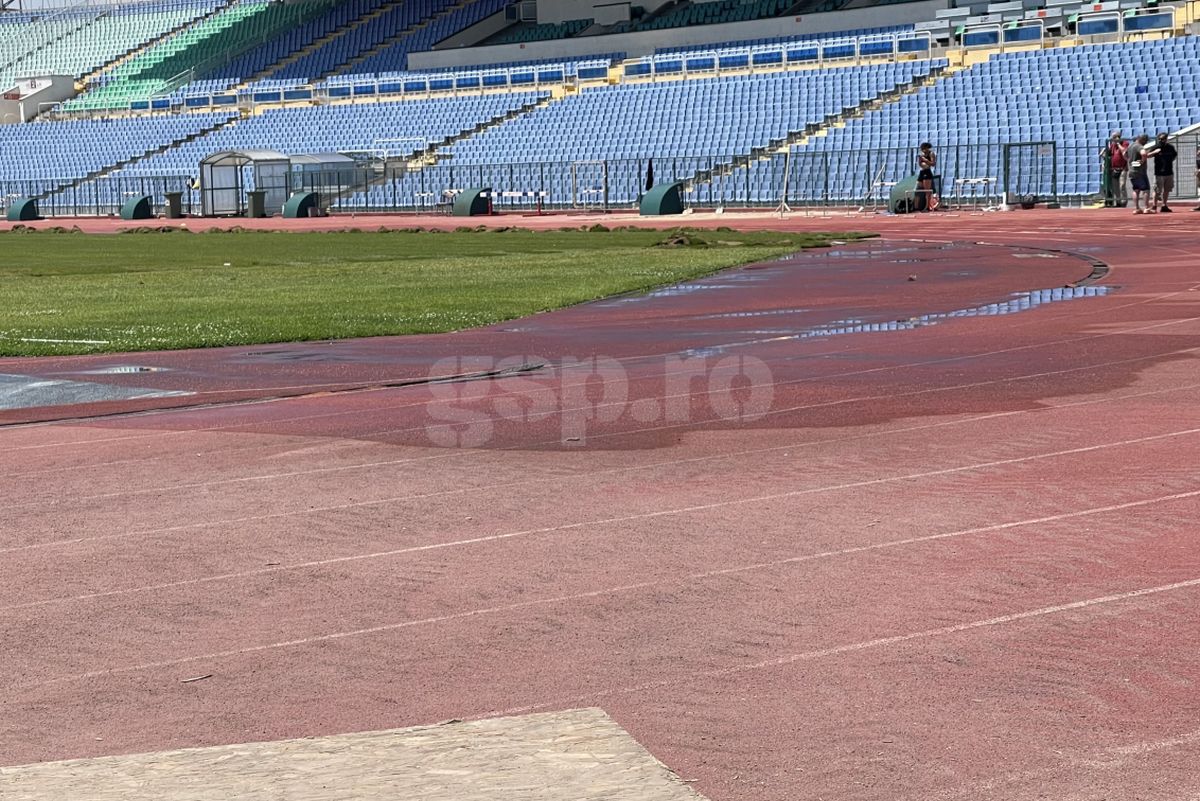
x=72, y=293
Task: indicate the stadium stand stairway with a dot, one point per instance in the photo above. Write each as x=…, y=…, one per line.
x=349, y=65
x=332, y=36
x=802, y=137
x=153, y=151
x=141, y=47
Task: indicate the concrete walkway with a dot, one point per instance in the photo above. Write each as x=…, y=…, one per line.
x=565, y=756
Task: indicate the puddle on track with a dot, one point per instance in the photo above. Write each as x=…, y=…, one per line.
x=1019, y=302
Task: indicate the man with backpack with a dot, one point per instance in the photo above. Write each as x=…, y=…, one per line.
x=1114, y=164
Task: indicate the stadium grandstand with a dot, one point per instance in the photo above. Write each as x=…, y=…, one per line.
x=569, y=104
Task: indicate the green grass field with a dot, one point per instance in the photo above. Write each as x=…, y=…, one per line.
x=66, y=293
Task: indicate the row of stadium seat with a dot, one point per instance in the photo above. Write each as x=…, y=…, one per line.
x=778, y=40
x=392, y=127
x=258, y=59
x=75, y=42
x=1147, y=85
x=64, y=151
x=715, y=12
x=231, y=30
x=394, y=55
x=541, y=32
x=683, y=118
x=395, y=17
x=1022, y=97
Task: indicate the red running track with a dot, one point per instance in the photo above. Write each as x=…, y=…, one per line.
x=954, y=558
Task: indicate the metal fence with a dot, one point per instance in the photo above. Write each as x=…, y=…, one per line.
x=970, y=176
x=1187, y=168
x=100, y=197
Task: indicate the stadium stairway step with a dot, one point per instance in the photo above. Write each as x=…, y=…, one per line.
x=85, y=80
x=802, y=137
x=154, y=151
x=349, y=65
x=342, y=30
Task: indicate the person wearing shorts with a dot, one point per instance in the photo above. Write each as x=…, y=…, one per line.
x=1164, y=155
x=926, y=161
x=1139, y=177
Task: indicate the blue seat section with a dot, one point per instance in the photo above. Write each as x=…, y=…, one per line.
x=399, y=29
x=683, y=118
x=335, y=52
x=398, y=128
x=569, y=67
x=275, y=50
x=685, y=125
x=75, y=39
x=795, y=51
x=1072, y=96
x=394, y=55
x=204, y=93
x=396, y=32
x=782, y=40
x=59, y=152
x=408, y=82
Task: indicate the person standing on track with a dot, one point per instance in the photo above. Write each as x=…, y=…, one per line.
x=1164, y=155
x=1114, y=162
x=926, y=161
x=1139, y=179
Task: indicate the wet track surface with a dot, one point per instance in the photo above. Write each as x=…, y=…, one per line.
x=872, y=287
x=811, y=531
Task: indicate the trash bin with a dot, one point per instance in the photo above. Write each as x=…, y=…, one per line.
x=256, y=203
x=174, y=205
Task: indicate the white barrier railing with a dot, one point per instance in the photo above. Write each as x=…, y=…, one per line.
x=1126, y=25
x=1007, y=34
x=843, y=50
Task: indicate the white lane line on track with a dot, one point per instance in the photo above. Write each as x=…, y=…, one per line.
x=767, y=663
x=590, y=475
x=1097, y=510
x=882, y=642
x=42, y=503
x=1137, y=749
